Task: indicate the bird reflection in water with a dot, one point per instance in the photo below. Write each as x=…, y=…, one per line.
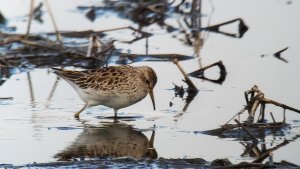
x=111, y=140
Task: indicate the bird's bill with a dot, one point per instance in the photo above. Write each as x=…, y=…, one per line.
x=152, y=97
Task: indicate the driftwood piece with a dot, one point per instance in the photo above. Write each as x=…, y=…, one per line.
x=254, y=98
x=257, y=98
x=268, y=101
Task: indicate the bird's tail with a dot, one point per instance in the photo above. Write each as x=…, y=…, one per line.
x=57, y=70
x=68, y=74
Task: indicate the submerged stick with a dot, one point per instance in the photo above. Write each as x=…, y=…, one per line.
x=272, y=117
x=188, y=80
x=246, y=130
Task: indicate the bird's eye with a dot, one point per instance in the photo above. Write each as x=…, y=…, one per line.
x=147, y=81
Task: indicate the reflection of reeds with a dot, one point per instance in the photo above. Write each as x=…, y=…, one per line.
x=32, y=99
x=51, y=93
x=53, y=89
x=196, y=14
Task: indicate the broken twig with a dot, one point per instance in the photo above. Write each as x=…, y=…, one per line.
x=187, y=79
x=272, y=117
x=257, y=98
x=280, y=105
x=30, y=17
x=58, y=36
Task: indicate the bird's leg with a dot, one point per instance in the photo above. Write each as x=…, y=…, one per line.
x=76, y=115
x=115, y=111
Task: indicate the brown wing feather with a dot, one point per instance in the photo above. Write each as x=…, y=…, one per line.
x=68, y=74
x=98, y=79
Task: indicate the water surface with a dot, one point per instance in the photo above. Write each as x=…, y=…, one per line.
x=38, y=122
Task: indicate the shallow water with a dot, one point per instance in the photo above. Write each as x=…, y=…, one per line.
x=37, y=124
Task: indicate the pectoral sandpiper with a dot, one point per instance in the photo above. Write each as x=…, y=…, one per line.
x=116, y=86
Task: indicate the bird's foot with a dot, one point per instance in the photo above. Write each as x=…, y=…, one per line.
x=76, y=115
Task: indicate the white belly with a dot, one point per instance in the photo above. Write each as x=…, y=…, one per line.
x=115, y=101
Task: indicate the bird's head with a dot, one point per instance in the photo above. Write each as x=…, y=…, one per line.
x=149, y=80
